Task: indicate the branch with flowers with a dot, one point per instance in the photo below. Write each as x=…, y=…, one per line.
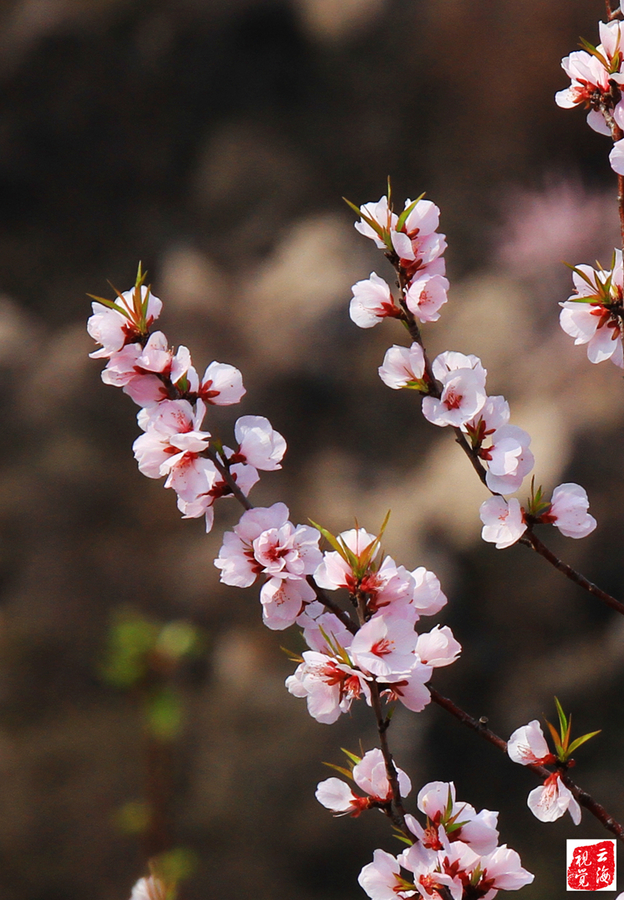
x=370, y=649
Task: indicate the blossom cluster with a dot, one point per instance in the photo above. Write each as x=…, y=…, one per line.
x=454, y=384
x=456, y=850
x=413, y=242
x=382, y=654
x=592, y=315
x=341, y=662
x=527, y=746
x=379, y=653
x=173, y=400
x=596, y=75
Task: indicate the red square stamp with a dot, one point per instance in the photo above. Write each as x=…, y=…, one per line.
x=591, y=865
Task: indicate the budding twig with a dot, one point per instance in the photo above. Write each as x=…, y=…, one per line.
x=479, y=725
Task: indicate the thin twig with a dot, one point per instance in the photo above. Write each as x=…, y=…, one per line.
x=397, y=813
x=593, y=807
x=480, y=726
x=332, y=606
x=529, y=539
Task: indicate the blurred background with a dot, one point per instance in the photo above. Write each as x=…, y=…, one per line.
x=213, y=140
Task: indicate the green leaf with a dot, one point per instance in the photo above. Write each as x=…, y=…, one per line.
x=140, y=276
x=293, y=657
x=403, y=838
x=563, y=722
x=581, y=274
x=352, y=756
x=404, y=215
x=331, y=539
x=377, y=228
x=450, y=826
x=419, y=385
x=449, y=807
x=581, y=740
x=110, y=304
x=555, y=736
x=341, y=769
x=330, y=643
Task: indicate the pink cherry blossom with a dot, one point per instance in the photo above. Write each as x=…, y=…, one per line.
x=114, y=327
x=594, y=325
x=370, y=775
x=327, y=626
x=568, y=511
x=151, y=888
x=589, y=79
x=434, y=798
x=192, y=507
x=383, y=216
x=552, y=800
x=462, y=397
x=527, y=745
x=428, y=598
x=221, y=385
x=282, y=600
x=259, y=444
x=372, y=301
x=328, y=685
x=266, y=542
x=503, y=521
x=384, y=647
x=426, y=295
x=492, y=416
x=452, y=361
x=502, y=870
x=334, y=571
x=121, y=365
x=586, y=315
x=432, y=870
x=390, y=590
x=417, y=244
x=172, y=432
x=335, y=794
x=463, y=389
x=382, y=880
x=616, y=157
x=437, y=800
x=156, y=355
x=438, y=647
x=403, y=367
x=508, y=459
x=409, y=688
x=144, y=372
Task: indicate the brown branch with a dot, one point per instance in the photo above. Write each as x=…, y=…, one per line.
x=475, y=462
x=620, y=179
x=595, y=808
x=229, y=479
x=434, y=391
x=531, y=540
x=480, y=726
x=332, y=606
x=397, y=813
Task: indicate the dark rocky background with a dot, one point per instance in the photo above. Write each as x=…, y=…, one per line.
x=213, y=140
